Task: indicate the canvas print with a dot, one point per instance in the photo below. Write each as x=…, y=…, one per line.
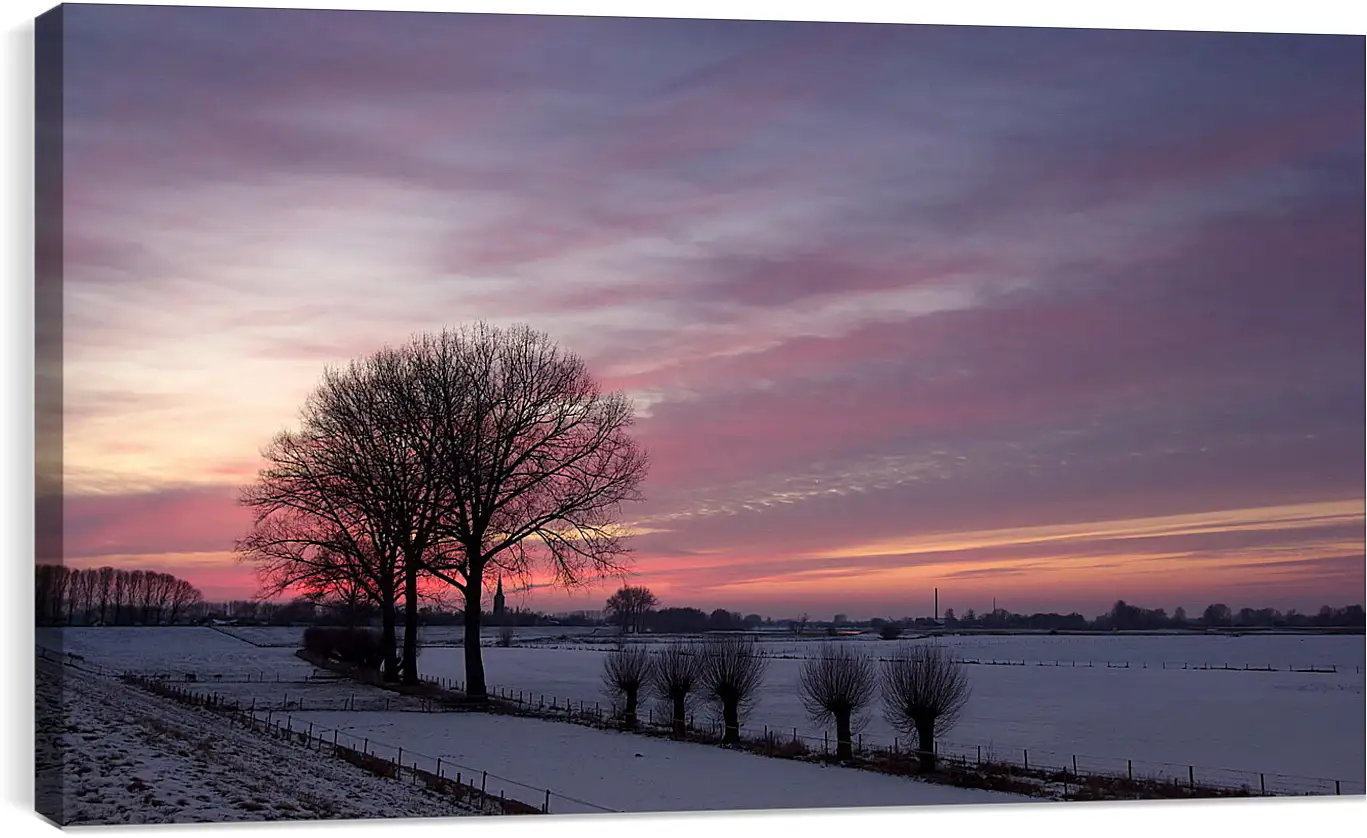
x=447, y=415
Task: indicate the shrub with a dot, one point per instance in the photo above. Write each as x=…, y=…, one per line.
x=777, y=745
x=505, y=637
x=354, y=646
x=890, y=631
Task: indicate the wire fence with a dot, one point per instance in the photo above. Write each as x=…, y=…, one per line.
x=1064, y=767
x=1204, y=666
x=484, y=790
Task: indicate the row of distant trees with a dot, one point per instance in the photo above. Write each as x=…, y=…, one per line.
x=1126, y=617
x=634, y=609
x=110, y=596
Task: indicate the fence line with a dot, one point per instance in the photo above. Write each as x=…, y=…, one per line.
x=1077, y=767
x=1325, y=668
x=405, y=765
x=1069, y=766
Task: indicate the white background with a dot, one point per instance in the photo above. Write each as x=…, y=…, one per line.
x=16, y=461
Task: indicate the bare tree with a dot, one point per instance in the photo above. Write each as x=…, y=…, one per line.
x=626, y=672
x=924, y=692
x=345, y=501
x=309, y=553
x=732, y=674
x=676, y=674
x=119, y=595
x=183, y=597
x=104, y=590
x=838, y=686
x=161, y=585
x=49, y=589
x=629, y=605
x=532, y=459
x=137, y=595
x=84, y=588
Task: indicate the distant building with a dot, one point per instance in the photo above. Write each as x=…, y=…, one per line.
x=498, y=599
x=841, y=619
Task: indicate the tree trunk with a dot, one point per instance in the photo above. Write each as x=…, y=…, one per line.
x=630, y=713
x=925, y=732
x=410, y=622
x=730, y=714
x=474, y=661
x=844, y=749
x=391, y=660
x=679, y=720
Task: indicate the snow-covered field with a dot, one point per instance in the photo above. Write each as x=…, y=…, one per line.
x=169, y=769
x=1288, y=723
x=1277, y=650
x=175, y=651
x=108, y=753
x=1230, y=726
x=588, y=769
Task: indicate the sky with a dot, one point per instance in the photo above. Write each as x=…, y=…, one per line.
x=1051, y=317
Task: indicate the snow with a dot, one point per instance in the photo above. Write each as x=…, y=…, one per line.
x=1228, y=726
x=174, y=651
x=1233, y=725
x=627, y=772
x=108, y=753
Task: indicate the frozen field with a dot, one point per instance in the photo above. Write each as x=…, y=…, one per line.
x=1289, y=724
x=174, y=651
x=1280, y=651
x=586, y=768
x=1305, y=724
x=108, y=753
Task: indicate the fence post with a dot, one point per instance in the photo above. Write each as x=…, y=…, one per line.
x=546, y=807
x=1129, y=768
x=1262, y=783
x=438, y=768
x=1074, y=765
x=1337, y=788
x=1026, y=753
x=365, y=746
x=483, y=782
x=1191, y=776
x=980, y=754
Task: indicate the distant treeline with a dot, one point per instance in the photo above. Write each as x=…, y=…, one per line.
x=1126, y=617
x=687, y=620
x=111, y=596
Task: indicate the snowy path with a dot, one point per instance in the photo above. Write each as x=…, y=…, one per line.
x=113, y=754
x=632, y=773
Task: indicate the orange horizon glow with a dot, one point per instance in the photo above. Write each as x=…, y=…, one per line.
x=1053, y=338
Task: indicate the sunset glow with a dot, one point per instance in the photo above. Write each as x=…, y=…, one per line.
x=1047, y=316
